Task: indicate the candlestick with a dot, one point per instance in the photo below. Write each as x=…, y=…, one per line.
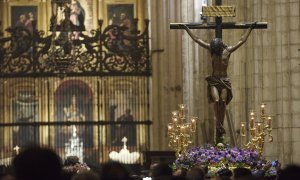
x=179, y=130
x=258, y=131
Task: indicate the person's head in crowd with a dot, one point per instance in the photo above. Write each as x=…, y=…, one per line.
x=258, y=173
x=195, y=173
x=89, y=175
x=73, y=164
x=161, y=171
x=222, y=178
x=224, y=173
x=180, y=172
x=6, y=173
x=291, y=172
x=37, y=163
x=7, y=176
x=239, y=173
x=71, y=161
x=67, y=174
x=114, y=170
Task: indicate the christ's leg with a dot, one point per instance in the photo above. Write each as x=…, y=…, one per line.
x=218, y=112
x=216, y=99
x=222, y=106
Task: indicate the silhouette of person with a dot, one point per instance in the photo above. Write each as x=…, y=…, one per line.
x=127, y=130
x=37, y=163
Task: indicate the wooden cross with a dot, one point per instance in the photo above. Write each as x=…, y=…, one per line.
x=218, y=12
x=17, y=149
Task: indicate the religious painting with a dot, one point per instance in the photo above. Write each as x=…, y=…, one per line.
x=121, y=15
x=25, y=109
x=76, y=16
x=82, y=13
x=24, y=16
x=73, y=103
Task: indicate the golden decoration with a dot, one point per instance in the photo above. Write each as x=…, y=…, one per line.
x=218, y=11
x=180, y=130
x=259, y=129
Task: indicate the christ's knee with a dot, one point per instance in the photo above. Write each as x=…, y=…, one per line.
x=224, y=95
x=215, y=94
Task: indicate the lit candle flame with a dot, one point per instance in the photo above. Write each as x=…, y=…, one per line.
x=243, y=129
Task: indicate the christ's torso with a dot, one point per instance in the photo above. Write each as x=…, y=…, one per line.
x=220, y=64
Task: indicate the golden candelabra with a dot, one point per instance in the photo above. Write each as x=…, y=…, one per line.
x=259, y=129
x=180, y=130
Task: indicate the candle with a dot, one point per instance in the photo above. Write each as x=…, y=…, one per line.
x=193, y=123
x=252, y=119
x=243, y=129
x=252, y=113
x=170, y=128
x=175, y=113
x=181, y=106
x=252, y=122
x=259, y=128
x=175, y=120
x=178, y=142
x=182, y=129
x=181, y=112
x=262, y=107
x=269, y=122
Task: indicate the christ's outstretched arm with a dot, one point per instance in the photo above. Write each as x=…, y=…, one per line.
x=242, y=40
x=195, y=38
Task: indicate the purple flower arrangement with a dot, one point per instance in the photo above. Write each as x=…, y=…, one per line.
x=219, y=157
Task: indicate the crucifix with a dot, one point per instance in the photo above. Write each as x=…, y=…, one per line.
x=219, y=85
x=124, y=140
x=17, y=149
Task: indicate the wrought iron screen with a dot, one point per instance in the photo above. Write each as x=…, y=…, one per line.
x=85, y=93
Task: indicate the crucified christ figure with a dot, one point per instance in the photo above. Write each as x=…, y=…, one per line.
x=219, y=86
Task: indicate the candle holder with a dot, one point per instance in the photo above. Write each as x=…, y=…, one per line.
x=259, y=129
x=180, y=130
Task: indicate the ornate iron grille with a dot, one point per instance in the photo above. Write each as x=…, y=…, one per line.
x=113, y=50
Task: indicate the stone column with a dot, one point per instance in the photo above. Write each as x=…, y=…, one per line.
x=166, y=66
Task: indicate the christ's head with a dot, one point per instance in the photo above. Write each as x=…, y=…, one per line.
x=217, y=46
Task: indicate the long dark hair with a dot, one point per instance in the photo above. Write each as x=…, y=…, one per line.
x=217, y=46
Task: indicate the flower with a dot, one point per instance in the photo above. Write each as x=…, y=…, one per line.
x=218, y=157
